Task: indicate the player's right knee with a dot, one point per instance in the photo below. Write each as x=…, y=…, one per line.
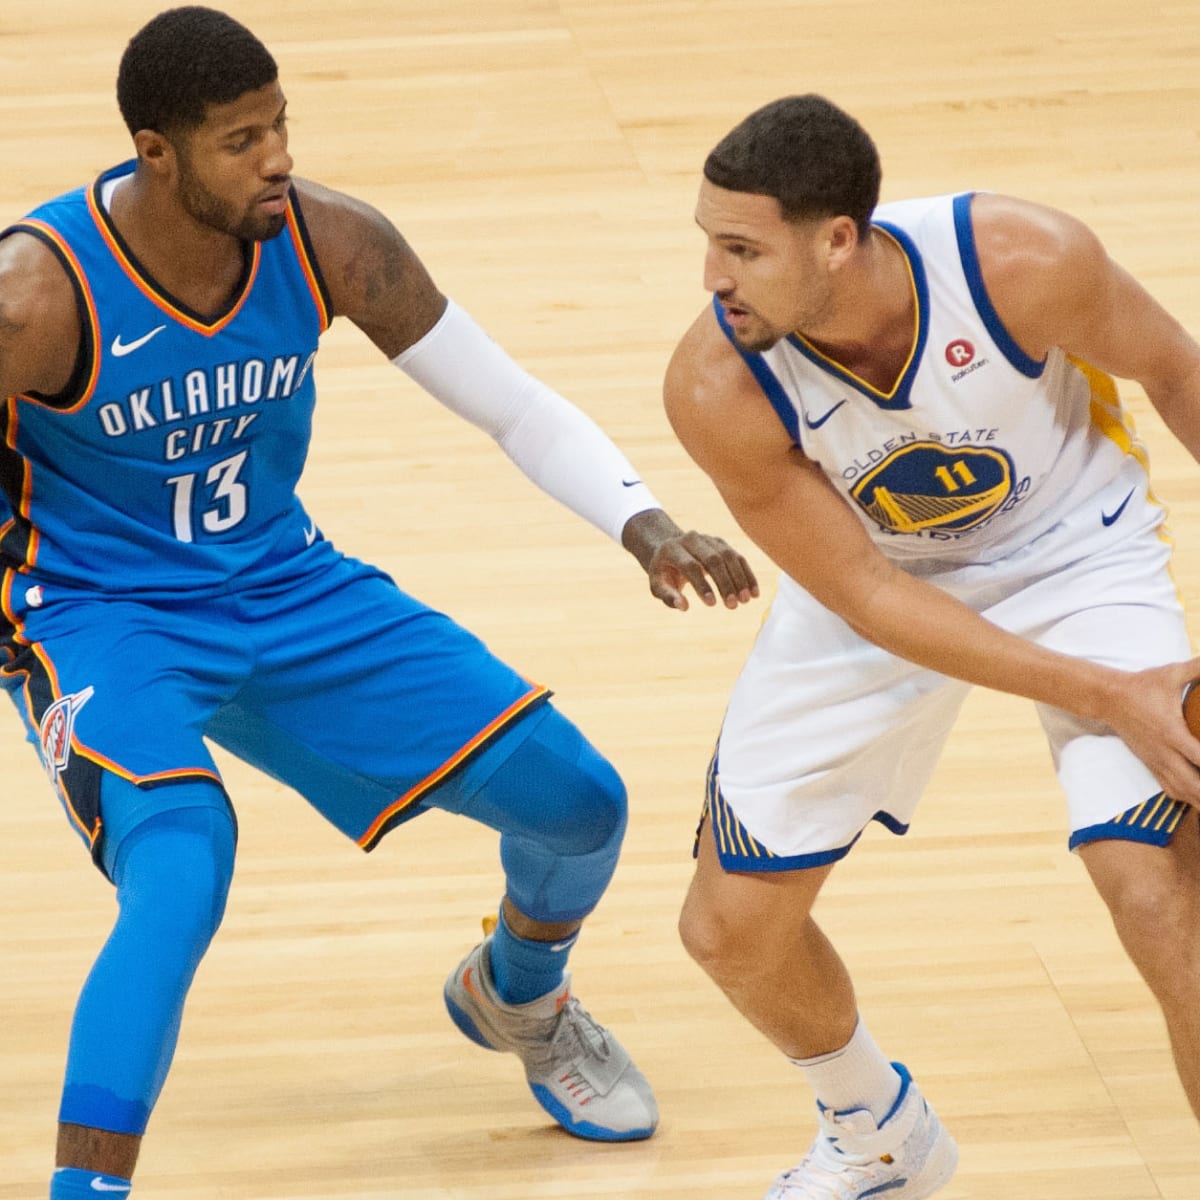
x=697, y=933
x=173, y=873
x=718, y=933
x=726, y=949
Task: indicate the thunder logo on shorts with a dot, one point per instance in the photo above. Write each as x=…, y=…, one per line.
x=55, y=732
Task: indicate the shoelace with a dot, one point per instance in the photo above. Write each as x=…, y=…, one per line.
x=572, y=1032
x=578, y=1027
x=579, y=1036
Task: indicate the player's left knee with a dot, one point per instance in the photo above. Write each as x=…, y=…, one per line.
x=599, y=806
x=173, y=877
x=558, y=791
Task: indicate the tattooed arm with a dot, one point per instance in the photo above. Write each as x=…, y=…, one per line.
x=373, y=276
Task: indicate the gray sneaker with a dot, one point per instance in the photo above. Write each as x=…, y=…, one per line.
x=578, y=1072
x=907, y=1156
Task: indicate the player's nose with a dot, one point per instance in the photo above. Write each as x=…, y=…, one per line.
x=278, y=162
x=716, y=275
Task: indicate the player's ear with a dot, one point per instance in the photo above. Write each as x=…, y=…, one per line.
x=841, y=235
x=154, y=150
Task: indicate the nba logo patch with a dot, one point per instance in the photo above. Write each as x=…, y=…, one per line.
x=57, y=728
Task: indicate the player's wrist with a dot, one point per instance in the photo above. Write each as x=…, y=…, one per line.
x=645, y=531
x=1101, y=692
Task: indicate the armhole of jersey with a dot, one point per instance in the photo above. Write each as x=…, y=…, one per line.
x=965, y=233
x=83, y=374
x=766, y=378
x=308, y=261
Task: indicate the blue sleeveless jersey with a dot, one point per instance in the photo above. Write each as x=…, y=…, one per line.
x=169, y=464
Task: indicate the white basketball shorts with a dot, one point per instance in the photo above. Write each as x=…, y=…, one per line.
x=826, y=732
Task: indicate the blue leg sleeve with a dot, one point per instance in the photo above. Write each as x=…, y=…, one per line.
x=561, y=811
x=172, y=873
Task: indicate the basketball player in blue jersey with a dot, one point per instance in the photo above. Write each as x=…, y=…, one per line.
x=161, y=583
x=909, y=408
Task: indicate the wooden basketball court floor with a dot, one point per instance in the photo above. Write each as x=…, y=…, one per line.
x=543, y=158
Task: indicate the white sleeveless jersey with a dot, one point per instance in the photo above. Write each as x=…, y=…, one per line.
x=978, y=448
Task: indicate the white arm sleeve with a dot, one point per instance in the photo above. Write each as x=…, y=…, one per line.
x=556, y=445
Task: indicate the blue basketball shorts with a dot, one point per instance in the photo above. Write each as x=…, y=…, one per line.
x=330, y=679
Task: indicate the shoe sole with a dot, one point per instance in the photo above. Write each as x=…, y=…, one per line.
x=584, y=1129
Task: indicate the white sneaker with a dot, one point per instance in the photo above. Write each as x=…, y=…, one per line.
x=578, y=1072
x=907, y=1156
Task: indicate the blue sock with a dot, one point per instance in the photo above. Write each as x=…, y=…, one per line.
x=523, y=970
x=70, y=1183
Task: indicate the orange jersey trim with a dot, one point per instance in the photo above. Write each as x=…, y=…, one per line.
x=413, y=794
x=115, y=768
x=26, y=505
x=307, y=265
x=7, y=581
x=90, y=834
x=52, y=235
x=156, y=297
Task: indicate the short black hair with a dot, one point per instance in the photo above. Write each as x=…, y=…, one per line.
x=808, y=154
x=184, y=60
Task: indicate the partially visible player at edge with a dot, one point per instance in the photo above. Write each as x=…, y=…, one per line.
x=162, y=582
x=909, y=408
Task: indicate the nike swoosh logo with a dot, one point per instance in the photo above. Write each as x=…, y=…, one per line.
x=310, y=534
x=120, y=348
x=1113, y=517
x=630, y=482
x=888, y=1187
x=823, y=418
x=98, y=1185
x=469, y=984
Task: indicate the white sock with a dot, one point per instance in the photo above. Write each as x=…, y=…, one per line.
x=856, y=1076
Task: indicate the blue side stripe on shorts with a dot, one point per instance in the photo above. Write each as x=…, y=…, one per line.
x=739, y=850
x=1153, y=822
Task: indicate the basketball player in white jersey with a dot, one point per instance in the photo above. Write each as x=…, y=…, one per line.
x=910, y=409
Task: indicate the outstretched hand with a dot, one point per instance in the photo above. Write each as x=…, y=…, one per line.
x=672, y=559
